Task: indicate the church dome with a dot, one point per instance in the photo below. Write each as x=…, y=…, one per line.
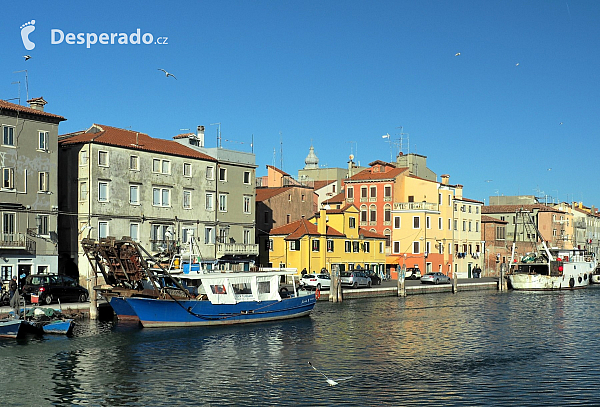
x=311, y=160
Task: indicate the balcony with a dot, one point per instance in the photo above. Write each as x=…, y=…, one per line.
x=415, y=206
x=236, y=249
x=17, y=241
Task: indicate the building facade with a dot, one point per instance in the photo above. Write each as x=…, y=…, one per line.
x=161, y=193
x=331, y=239
x=28, y=199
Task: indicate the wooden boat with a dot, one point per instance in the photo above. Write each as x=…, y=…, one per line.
x=11, y=328
x=227, y=298
x=550, y=268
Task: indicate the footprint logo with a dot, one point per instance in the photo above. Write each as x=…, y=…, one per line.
x=27, y=29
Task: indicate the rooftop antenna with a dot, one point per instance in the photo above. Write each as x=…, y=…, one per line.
x=281, y=151
x=355, y=151
x=26, y=83
x=19, y=92
x=218, y=133
x=402, y=134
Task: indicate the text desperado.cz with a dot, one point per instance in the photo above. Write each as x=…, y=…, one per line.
x=58, y=36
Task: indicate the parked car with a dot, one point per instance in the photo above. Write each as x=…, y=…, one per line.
x=375, y=278
x=435, y=278
x=413, y=273
x=316, y=281
x=51, y=287
x=355, y=279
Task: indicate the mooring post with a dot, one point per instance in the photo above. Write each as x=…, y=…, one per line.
x=401, y=281
x=502, y=286
x=93, y=299
x=454, y=283
x=335, y=291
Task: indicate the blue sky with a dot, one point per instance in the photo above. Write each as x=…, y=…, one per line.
x=337, y=75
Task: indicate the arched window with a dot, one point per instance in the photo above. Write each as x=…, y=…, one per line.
x=387, y=213
x=363, y=213
x=373, y=213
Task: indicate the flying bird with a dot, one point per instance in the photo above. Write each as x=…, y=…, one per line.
x=457, y=54
x=329, y=381
x=488, y=180
x=27, y=57
x=517, y=64
x=560, y=123
x=167, y=74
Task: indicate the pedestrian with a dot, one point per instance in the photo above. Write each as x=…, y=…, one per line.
x=15, y=298
x=13, y=286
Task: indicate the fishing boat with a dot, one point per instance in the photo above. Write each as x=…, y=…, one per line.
x=550, y=268
x=47, y=321
x=227, y=298
x=179, y=292
x=11, y=328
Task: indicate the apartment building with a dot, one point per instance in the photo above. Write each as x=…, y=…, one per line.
x=28, y=199
x=333, y=238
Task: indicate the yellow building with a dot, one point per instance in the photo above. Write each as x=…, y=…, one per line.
x=422, y=224
x=331, y=238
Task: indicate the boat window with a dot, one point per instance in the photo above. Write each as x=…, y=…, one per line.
x=264, y=287
x=242, y=288
x=218, y=289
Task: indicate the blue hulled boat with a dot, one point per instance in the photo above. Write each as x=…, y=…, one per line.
x=10, y=328
x=226, y=298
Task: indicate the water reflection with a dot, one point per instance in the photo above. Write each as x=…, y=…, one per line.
x=473, y=348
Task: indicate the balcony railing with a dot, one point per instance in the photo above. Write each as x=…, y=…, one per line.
x=17, y=241
x=236, y=249
x=415, y=206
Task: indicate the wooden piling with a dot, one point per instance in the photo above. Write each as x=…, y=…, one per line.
x=401, y=282
x=335, y=290
x=454, y=283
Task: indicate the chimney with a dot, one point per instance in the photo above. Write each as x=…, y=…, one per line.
x=200, y=135
x=445, y=179
x=37, y=103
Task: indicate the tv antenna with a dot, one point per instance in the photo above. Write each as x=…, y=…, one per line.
x=26, y=84
x=218, y=133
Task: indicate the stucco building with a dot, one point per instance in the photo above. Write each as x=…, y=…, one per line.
x=28, y=199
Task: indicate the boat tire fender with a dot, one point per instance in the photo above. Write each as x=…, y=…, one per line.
x=572, y=282
x=579, y=279
x=317, y=293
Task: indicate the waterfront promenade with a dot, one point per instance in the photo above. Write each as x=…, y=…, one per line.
x=388, y=288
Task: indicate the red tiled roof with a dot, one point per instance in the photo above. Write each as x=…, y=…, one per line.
x=302, y=227
x=18, y=108
x=515, y=208
x=367, y=175
x=489, y=219
x=369, y=234
x=262, y=194
x=339, y=198
x=278, y=170
x=114, y=136
x=321, y=184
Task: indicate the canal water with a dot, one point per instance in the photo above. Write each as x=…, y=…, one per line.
x=467, y=349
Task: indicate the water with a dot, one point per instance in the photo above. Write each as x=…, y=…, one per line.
x=468, y=349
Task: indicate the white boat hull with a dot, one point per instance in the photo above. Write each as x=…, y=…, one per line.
x=522, y=281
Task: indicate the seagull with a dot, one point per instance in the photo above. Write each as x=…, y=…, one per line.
x=560, y=123
x=167, y=74
x=329, y=381
x=488, y=180
x=27, y=57
x=549, y=169
x=517, y=64
x=457, y=54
